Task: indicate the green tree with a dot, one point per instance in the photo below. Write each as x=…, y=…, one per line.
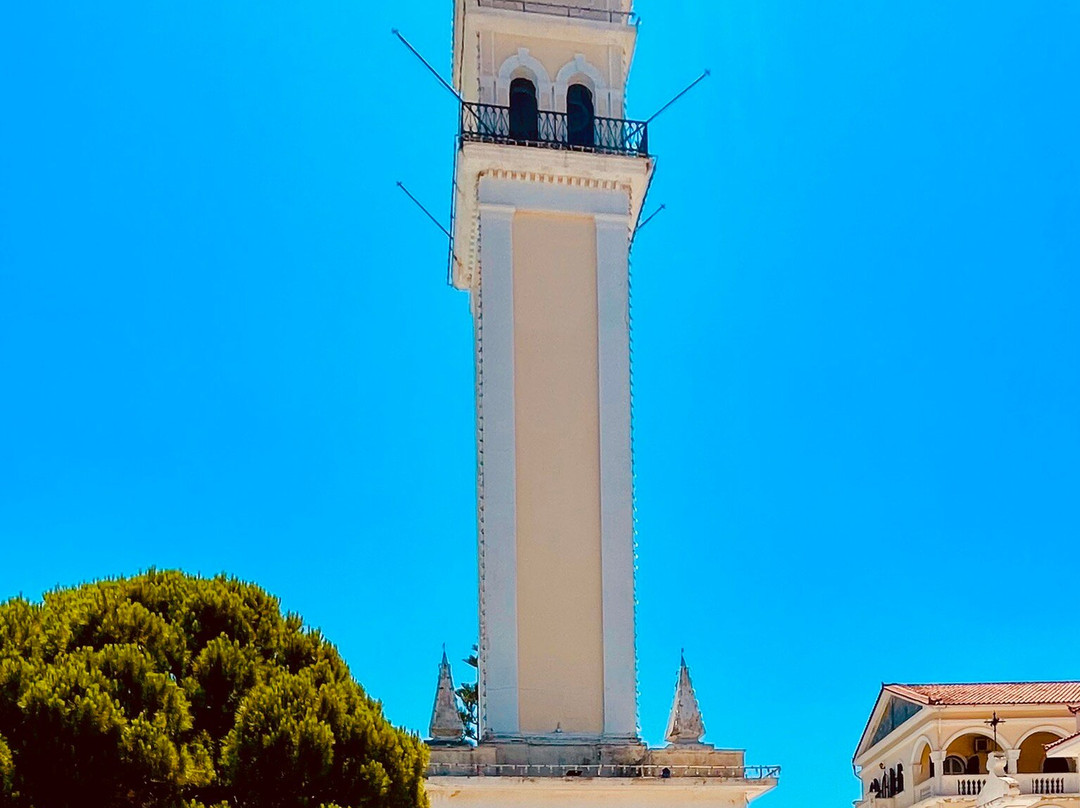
x=168, y=690
x=469, y=698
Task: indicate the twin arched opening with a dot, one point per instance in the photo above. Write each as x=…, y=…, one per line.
x=525, y=116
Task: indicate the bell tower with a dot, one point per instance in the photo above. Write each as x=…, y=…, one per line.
x=550, y=182
x=550, y=178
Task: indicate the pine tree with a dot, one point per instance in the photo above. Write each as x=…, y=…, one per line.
x=169, y=691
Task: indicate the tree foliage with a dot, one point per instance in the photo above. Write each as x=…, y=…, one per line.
x=469, y=698
x=167, y=690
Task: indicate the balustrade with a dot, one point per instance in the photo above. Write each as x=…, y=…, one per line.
x=580, y=12
x=969, y=785
x=494, y=124
x=752, y=773
x=1049, y=784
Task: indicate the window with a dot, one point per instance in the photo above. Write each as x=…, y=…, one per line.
x=524, y=111
x=955, y=765
x=899, y=778
x=580, y=116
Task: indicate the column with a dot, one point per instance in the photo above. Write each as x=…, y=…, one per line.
x=939, y=769
x=1013, y=758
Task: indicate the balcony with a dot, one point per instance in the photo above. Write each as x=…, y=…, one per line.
x=970, y=786
x=966, y=785
x=585, y=12
x=488, y=123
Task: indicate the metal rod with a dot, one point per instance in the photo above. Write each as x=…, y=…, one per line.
x=693, y=84
x=655, y=213
x=427, y=212
x=427, y=64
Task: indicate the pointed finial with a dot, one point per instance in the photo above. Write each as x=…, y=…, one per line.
x=685, y=724
x=446, y=725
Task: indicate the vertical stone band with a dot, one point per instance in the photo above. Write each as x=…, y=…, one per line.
x=616, y=475
x=499, y=689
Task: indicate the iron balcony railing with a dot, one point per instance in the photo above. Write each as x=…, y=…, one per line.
x=559, y=10
x=488, y=123
x=751, y=773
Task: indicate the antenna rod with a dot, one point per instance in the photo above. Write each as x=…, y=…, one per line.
x=693, y=84
x=655, y=213
x=427, y=64
x=427, y=212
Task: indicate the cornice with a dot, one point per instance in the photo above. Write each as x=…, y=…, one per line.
x=570, y=180
x=548, y=167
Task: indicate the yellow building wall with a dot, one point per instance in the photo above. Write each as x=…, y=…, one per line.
x=556, y=401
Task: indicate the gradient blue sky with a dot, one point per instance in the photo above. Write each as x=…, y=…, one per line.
x=226, y=343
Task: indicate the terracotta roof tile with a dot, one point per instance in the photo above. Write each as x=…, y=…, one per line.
x=1062, y=742
x=991, y=693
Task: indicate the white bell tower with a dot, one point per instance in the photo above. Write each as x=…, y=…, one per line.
x=550, y=182
x=549, y=185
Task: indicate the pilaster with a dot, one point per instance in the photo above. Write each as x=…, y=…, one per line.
x=499, y=676
x=616, y=475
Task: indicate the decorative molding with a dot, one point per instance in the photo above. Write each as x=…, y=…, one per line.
x=1049, y=729
x=482, y=644
x=916, y=749
x=985, y=733
x=524, y=65
x=555, y=179
x=541, y=168
x=591, y=77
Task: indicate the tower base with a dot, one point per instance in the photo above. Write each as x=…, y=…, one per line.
x=569, y=772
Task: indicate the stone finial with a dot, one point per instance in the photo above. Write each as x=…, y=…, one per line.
x=999, y=786
x=446, y=726
x=685, y=725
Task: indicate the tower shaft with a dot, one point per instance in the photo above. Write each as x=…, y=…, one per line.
x=550, y=181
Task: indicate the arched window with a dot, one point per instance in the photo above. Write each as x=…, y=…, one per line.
x=875, y=787
x=899, y=778
x=580, y=116
x=892, y=782
x=524, y=111
x=955, y=765
x=974, y=765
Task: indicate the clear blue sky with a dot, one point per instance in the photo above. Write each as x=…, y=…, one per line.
x=226, y=342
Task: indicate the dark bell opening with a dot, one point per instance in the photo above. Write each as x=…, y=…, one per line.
x=580, y=116
x=524, y=111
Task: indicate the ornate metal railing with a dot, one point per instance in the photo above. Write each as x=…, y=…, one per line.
x=559, y=10
x=606, y=770
x=488, y=123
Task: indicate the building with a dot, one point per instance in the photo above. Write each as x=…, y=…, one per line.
x=550, y=181
x=936, y=745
